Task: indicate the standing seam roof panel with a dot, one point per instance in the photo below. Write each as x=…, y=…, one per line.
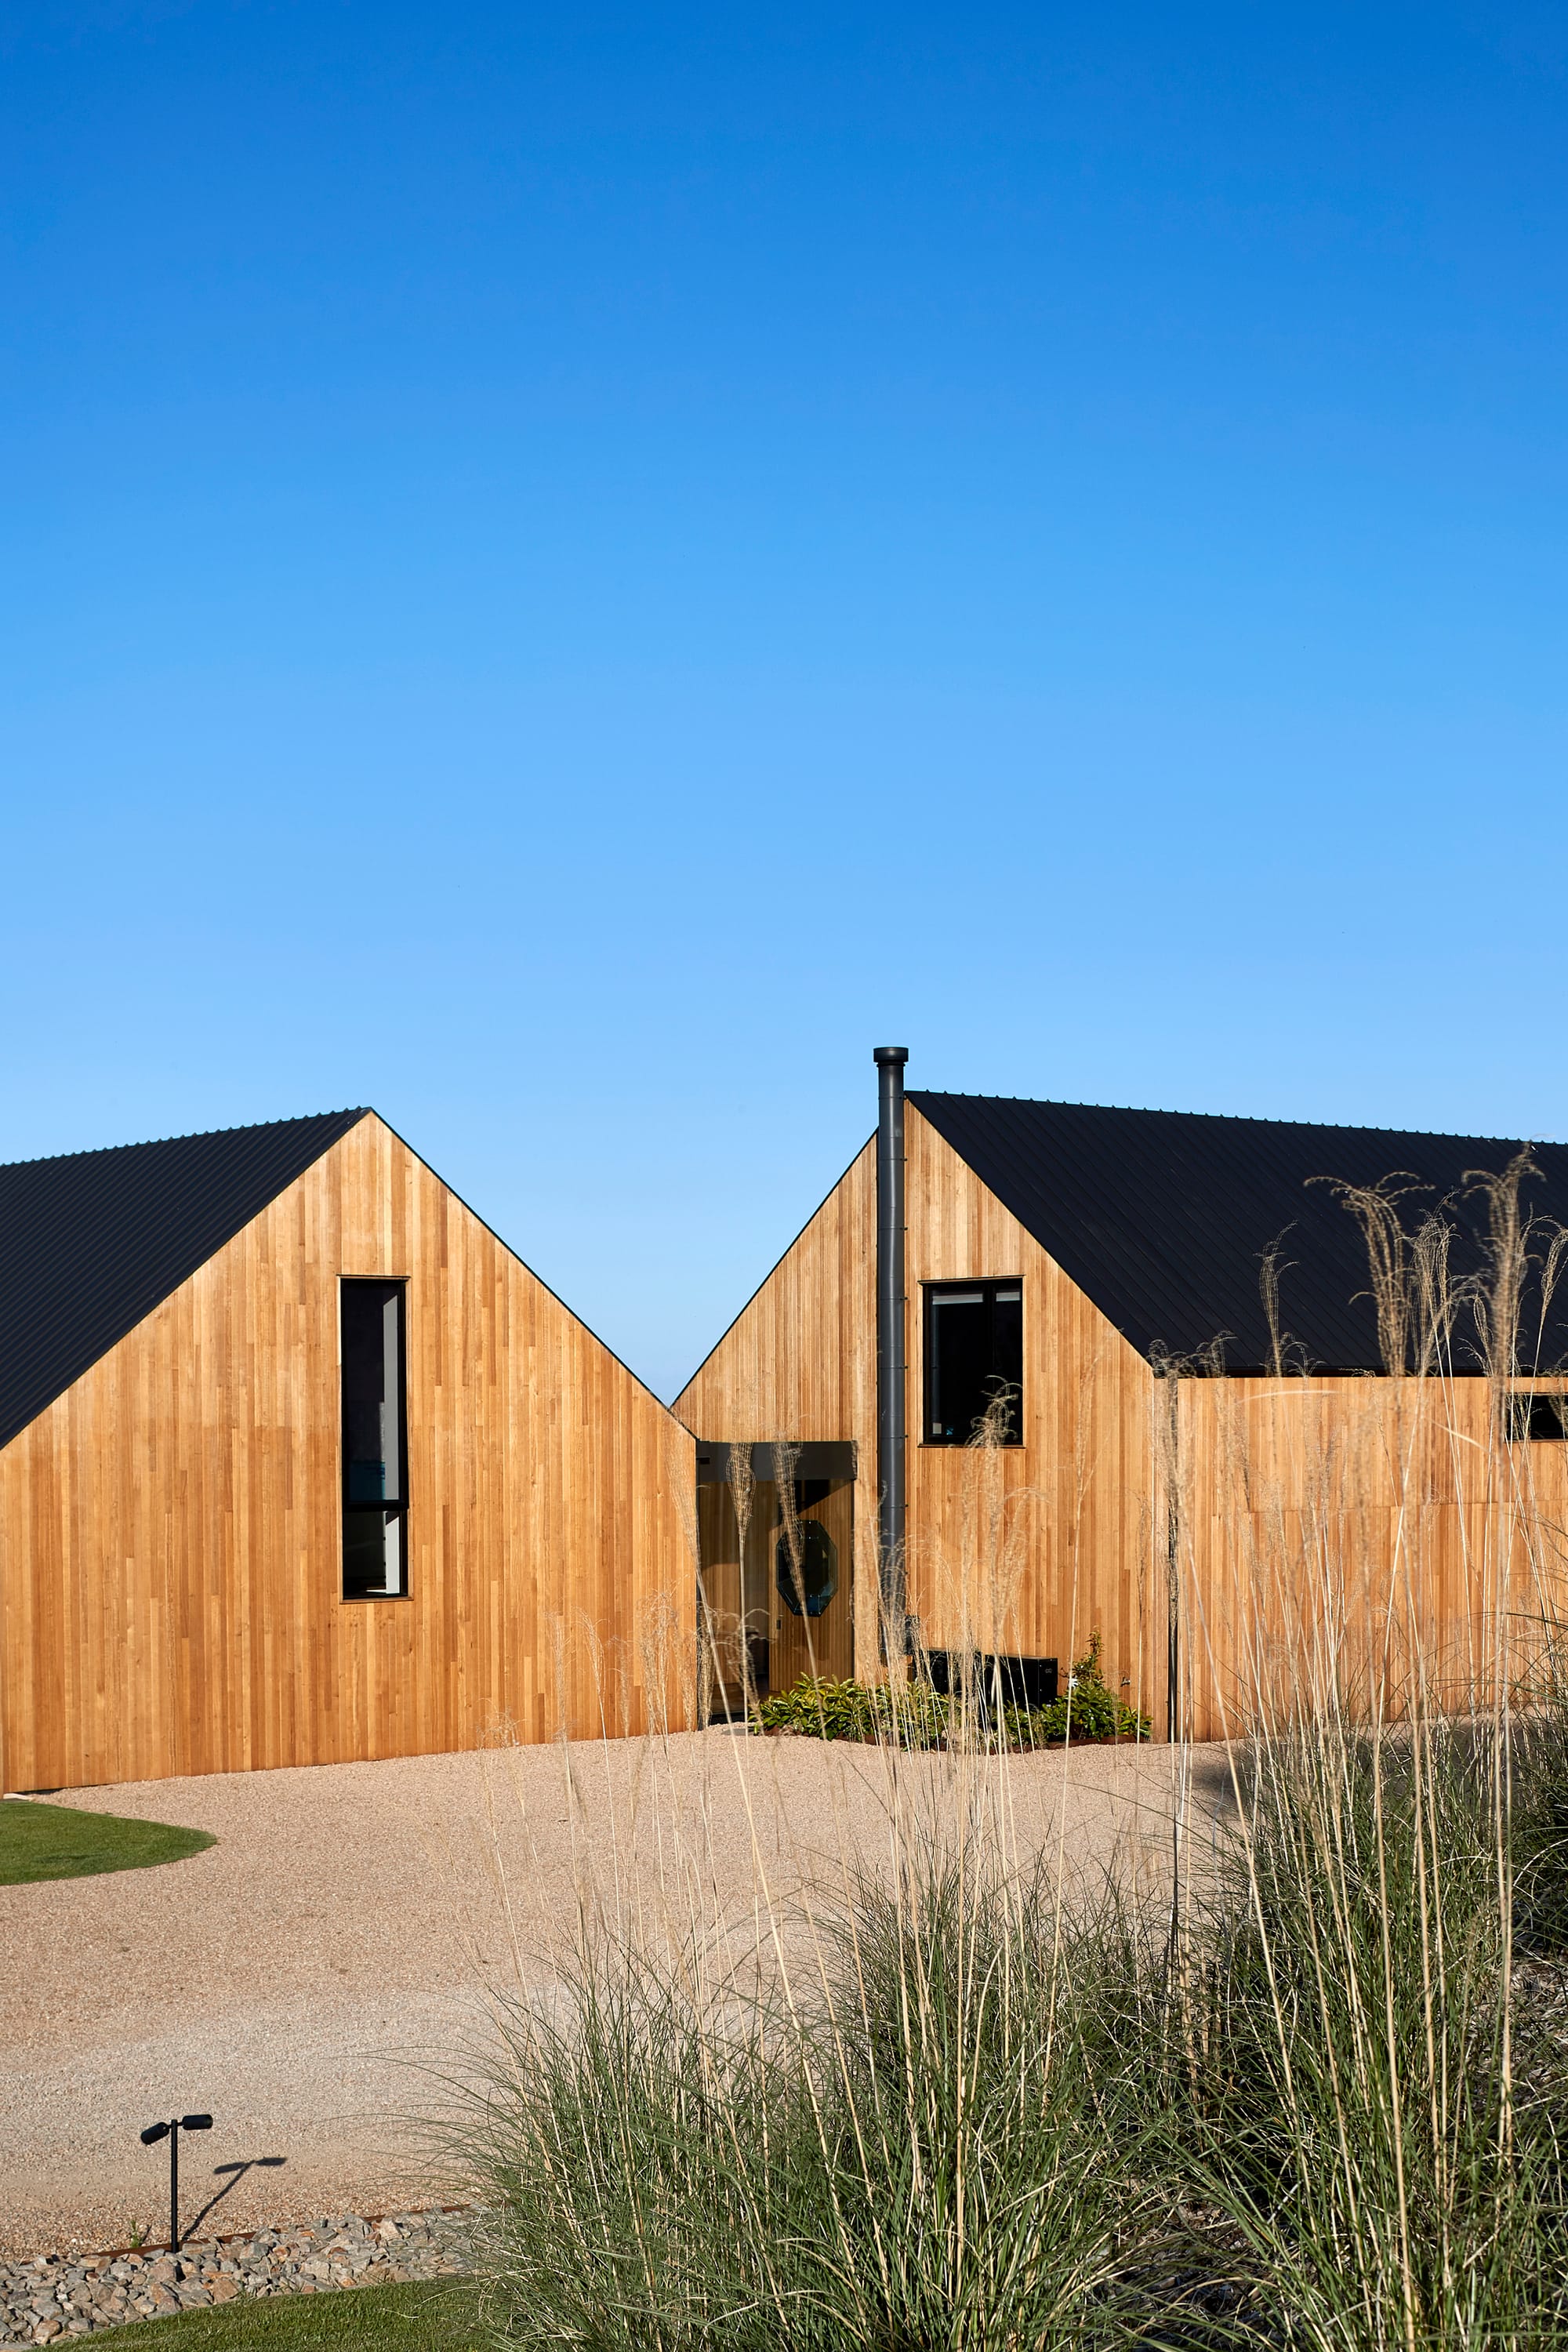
x=1163, y=1218
x=93, y=1242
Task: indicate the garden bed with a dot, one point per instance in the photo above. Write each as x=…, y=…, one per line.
x=916, y=1716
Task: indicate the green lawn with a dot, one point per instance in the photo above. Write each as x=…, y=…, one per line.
x=427, y=2315
x=57, y=1841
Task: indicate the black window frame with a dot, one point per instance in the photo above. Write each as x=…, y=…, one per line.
x=1536, y=1416
x=930, y=1293
x=398, y=1507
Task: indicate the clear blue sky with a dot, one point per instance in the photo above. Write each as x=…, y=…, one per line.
x=569, y=571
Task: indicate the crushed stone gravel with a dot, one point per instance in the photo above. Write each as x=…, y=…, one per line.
x=309, y=1978
x=55, y=2296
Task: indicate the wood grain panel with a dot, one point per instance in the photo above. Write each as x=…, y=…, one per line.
x=170, y=1536
x=1032, y=1548
x=1358, y=1528
x=1366, y=1535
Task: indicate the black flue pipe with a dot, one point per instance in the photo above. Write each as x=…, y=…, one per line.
x=891, y=1380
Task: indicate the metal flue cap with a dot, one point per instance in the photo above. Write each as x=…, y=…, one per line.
x=890, y=1054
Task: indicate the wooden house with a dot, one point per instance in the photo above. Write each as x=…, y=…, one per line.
x=298, y=1463
x=1206, y=1455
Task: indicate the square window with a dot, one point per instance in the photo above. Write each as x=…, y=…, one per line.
x=973, y=1356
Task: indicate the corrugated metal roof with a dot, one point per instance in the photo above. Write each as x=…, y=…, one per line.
x=93, y=1240
x=1163, y=1218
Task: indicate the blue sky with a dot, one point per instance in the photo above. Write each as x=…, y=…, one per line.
x=566, y=573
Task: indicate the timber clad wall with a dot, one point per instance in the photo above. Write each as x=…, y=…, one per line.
x=1033, y=1547
x=1356, y=1528
x=1030, y=1548
x=170, y=1528
x=1347, y=1528
x=795, y=1361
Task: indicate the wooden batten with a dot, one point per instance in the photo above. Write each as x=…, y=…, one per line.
x=169, y=1528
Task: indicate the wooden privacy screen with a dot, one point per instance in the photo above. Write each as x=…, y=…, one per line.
x=1360, y=1539
x=170, y=1527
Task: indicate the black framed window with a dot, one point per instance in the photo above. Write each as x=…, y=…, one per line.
x=1537, y=1414
x=974, y=1352
x=375, y=1441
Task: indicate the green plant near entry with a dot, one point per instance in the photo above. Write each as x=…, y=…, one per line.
x=1086, y=1710
x=908, y=1715
x=40, y=1841
x=914, y=1715
x=423, y=2316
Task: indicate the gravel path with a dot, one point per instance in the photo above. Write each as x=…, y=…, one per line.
x=306, y=1978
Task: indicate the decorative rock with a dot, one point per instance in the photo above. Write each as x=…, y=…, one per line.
x=52, y=2297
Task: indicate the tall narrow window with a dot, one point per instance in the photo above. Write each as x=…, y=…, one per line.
x=974, y=1356
x=375, y=1495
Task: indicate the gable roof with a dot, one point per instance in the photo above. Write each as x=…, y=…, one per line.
x=1163, y=1218
x=93, y=1240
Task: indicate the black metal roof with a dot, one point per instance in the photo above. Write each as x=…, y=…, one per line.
x=93, y=1240
x=1163, y=1218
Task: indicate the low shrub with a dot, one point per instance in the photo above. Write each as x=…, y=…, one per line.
x=1538, y=1807
x=1086, y=1710
x=910, y=1715
x=914, y=1715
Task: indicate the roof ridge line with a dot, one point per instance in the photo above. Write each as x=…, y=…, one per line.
x=195, y=1135
x=1230, y=1117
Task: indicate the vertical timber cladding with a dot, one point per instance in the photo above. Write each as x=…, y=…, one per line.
x=1042, y=1544
x=1037, y=1546
x=170, y=1527
x=1360, y=1531
x=800, y=1362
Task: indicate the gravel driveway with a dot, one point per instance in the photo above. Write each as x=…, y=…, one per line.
x=303, y=1978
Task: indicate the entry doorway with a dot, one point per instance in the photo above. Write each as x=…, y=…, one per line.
x=779, y=1603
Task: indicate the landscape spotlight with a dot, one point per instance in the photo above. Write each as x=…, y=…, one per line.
x=170, y=2132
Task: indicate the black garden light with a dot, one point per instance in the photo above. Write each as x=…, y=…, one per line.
x=170, y=2132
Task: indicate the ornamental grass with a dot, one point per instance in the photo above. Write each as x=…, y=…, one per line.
x=1305, y=2085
